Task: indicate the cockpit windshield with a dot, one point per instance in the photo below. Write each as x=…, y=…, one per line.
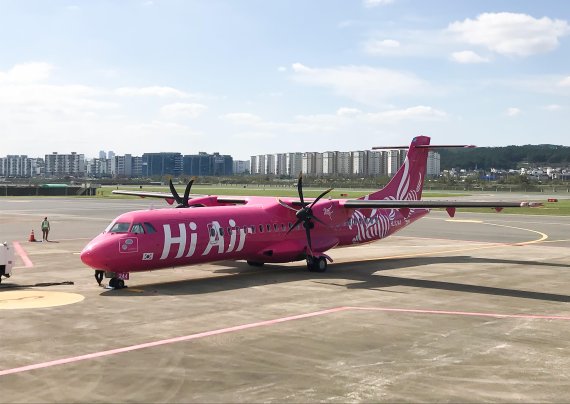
x=120, y=227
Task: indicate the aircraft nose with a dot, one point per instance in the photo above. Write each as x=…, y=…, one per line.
x=90, y=257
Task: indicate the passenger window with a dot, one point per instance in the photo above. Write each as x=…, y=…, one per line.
x=283, y=227
x=275, y=227
x=261, y=228
x=212, y=232
x=221, y=231
x=137, y=229
x=268, y=227
x=149, y=228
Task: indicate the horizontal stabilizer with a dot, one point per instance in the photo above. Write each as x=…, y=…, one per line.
x=427, y=146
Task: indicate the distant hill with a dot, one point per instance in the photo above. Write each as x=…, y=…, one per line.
x=505, y=157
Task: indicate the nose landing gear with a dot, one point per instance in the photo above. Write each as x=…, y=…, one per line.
x=117, y=283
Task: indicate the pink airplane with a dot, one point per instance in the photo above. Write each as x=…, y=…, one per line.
x=264, y=229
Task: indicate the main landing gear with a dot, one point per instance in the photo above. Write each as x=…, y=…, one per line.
x=317, y=264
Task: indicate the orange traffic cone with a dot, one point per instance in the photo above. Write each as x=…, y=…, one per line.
x=32, y=237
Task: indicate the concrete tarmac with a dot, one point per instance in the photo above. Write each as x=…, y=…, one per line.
x=470, y=309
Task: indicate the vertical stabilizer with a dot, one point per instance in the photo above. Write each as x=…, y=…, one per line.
x=408, y=182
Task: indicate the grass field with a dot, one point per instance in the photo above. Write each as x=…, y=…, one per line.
x=561, y=208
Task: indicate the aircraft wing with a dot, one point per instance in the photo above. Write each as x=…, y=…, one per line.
x=170, y=199
x=423, y=204
x=450, y=206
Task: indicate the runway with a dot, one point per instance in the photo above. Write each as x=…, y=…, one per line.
x=475, y=308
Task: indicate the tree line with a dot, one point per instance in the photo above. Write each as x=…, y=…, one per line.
x=505, y=157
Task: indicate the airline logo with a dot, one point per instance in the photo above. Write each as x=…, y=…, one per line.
x=129, y=245
x=185, y=239
x=328, y=211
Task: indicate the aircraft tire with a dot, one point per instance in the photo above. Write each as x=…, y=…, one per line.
x=317, y=264
x=255, y=263
x=117, y=283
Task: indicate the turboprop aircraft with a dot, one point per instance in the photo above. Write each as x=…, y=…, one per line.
x=264, y=229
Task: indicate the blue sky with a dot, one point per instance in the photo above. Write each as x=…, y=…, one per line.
x=257, y=76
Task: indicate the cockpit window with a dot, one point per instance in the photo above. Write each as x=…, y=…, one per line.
x=149, y=228
x=120, y=227
x=137, y=228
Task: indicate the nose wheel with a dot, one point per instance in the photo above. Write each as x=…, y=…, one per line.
x=117, y=283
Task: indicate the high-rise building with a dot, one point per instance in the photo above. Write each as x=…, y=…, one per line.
x=330, y=163
x=241, y=166
x=160, y=164
x=433, y=164
x=270, y=164
x=344, y=164
x=310, y=163
x=60, y=165
x=358, y=163
x=281, y=164
x=18, y=166
x=376, y=164
x=253, y=165
x=294, y=164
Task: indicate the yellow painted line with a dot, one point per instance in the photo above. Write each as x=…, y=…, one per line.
x=541, y=239
x=543, y=236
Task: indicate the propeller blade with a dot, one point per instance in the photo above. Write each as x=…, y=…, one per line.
x=320, y=196
x=309, y=244
x=286, y=206
x=174, y=193
x=300, y=188
x=187, y=192
x=319, y=220
x=297, y=223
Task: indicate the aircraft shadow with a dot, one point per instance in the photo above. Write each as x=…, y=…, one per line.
x=365, y=274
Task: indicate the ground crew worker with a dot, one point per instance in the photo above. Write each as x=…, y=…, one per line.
x=45, y=229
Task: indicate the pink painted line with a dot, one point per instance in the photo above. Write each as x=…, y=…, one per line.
x=461, y=313
x=263, y=324
x=167, y=341
x=22, y=253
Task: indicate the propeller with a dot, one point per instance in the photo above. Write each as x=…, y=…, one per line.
x=182, y=202
x=305, y=215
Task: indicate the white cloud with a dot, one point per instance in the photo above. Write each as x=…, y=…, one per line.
x=382, y=47
x=364, y=84
x=348, y=111
x=511, y=33
x=182, y=110
x=565, y=82
x=513, y=111
x=467, y=57
x=417, y=113
x=155, y=91
x=242, y=118
x=376, y=3
x=27, y=73
x=552, y=107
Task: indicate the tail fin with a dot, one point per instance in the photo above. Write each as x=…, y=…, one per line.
x=408, y=182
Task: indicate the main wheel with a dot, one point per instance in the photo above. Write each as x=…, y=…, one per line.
x=255, y=263
x=317, y=264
